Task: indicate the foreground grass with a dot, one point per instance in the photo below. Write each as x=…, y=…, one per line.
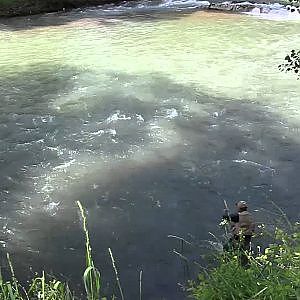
x=273, y=274
x=46, y=288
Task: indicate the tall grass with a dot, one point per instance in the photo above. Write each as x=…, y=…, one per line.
x=40, y=288
x=273, y=274
x=47, y=288
x=91, y=276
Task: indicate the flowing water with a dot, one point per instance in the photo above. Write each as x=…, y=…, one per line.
x=151, y=116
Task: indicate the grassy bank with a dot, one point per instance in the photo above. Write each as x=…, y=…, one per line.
x=272, y=274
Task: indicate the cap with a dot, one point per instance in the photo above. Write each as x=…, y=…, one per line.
x=242, y=204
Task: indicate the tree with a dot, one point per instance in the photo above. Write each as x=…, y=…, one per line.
x=292, y=63
x=292, y=60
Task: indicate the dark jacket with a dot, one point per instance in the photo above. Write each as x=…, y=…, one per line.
x=240, y=222
x=231, y=217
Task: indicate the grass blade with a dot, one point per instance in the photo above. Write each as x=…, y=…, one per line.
x=141, y=275
x=91, y=276
x=116, y=273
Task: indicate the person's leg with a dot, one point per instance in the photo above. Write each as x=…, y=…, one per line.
x=247, y=242
x=229, y=245
x=245, y=247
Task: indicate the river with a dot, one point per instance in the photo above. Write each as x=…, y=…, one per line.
x=151, y=116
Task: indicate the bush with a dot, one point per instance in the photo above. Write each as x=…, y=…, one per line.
x=272, y=274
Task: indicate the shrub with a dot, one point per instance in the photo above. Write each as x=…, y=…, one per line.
x=272, y=274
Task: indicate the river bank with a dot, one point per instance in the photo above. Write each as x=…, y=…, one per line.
x=271, y=273
x=14, y=8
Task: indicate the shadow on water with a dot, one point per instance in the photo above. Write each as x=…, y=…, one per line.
x=98, y=16
x=138, y=186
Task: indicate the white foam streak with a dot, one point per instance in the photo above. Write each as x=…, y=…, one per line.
x=65, y=165
x=116, y=117
x=171, y=113
x=253, y=163
x=185, y=3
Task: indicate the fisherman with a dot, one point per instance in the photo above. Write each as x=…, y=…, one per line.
x=242, y=228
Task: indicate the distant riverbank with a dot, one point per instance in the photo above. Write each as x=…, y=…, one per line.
x=13, y=8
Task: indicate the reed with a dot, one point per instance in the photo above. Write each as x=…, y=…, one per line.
x=91, y=276
x=45, y=287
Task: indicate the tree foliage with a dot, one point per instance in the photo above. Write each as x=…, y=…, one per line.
x=291, y=63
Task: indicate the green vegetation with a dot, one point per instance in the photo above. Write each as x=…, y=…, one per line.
x=10, y=8
x=46, y=288
x=272, y=274
x=292, y=63
x=7, y=2
x=292, y=60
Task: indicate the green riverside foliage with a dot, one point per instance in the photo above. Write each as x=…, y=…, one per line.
x=273, y=274
x=91, y=276
x=292, y=63
x=7, y=2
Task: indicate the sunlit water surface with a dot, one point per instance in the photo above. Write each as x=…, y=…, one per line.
x=151, y=118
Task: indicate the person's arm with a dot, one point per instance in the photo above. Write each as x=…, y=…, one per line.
x=231, y=217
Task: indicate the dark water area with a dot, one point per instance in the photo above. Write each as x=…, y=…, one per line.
x=150, y=147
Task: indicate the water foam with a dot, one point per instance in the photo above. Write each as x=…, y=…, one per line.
x=276, y=12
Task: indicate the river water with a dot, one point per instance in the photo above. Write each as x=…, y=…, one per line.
x=151, y=117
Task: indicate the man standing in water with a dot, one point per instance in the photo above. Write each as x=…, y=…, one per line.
x=242, y=229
